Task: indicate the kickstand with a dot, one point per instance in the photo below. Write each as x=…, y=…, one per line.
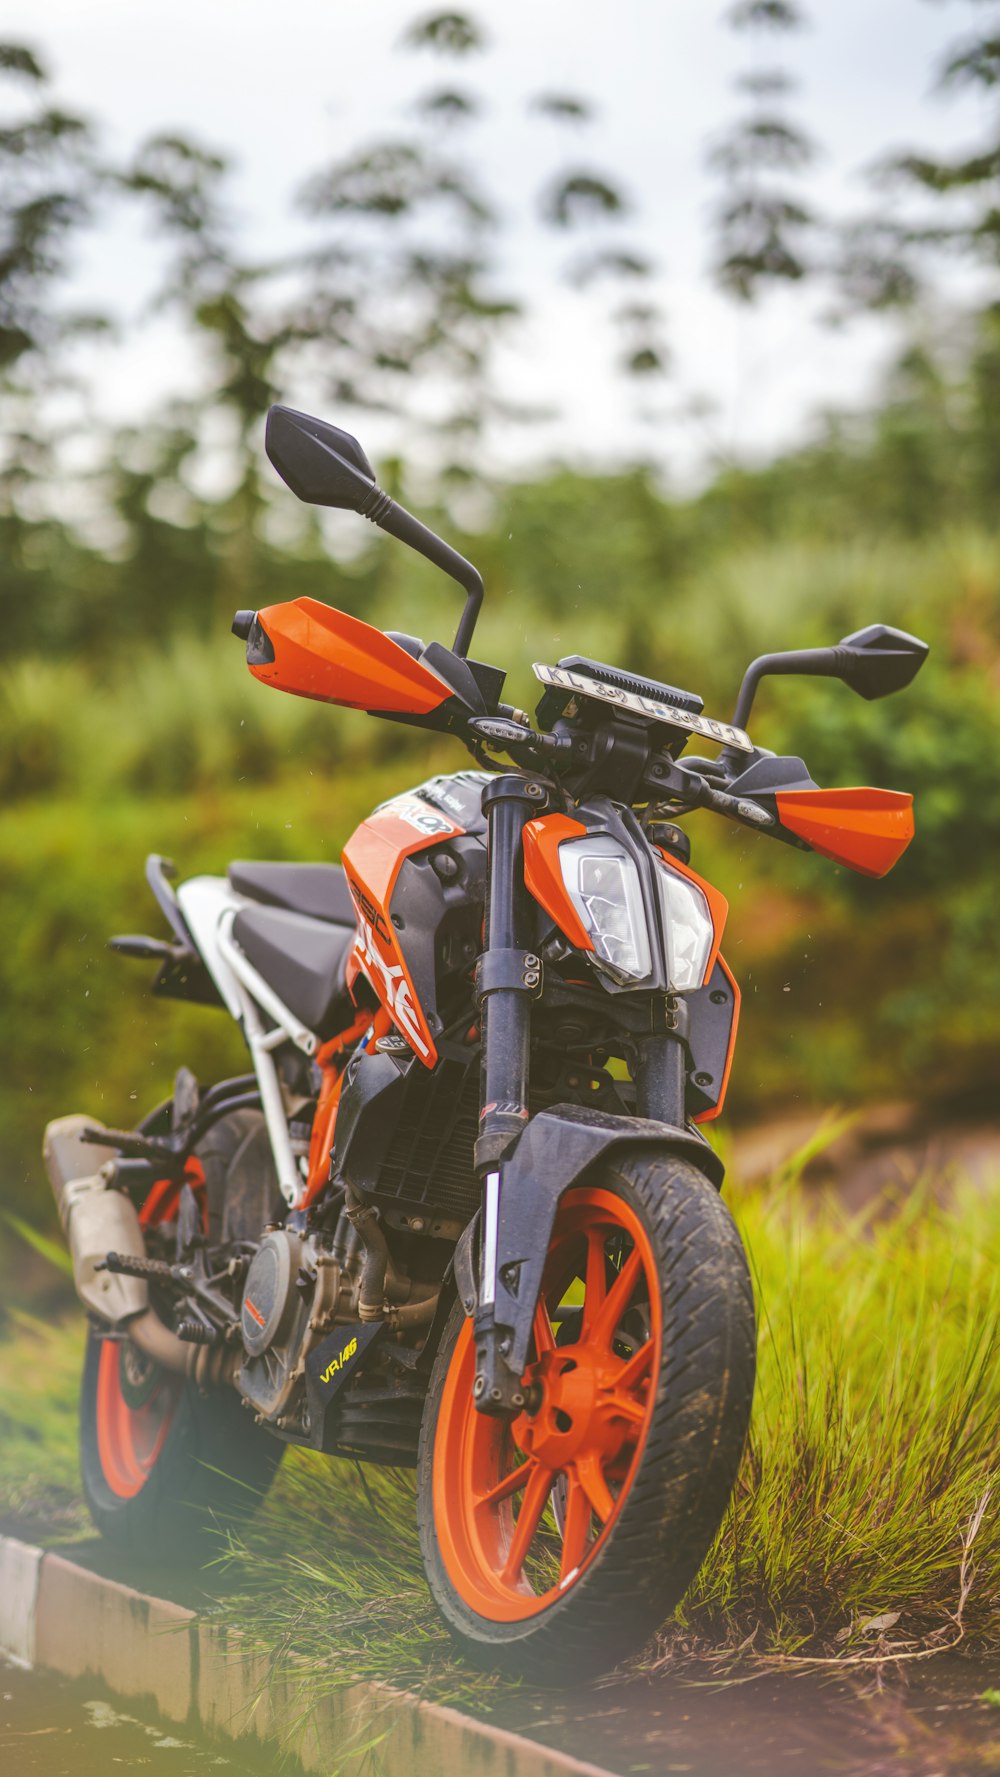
x=366, y=1490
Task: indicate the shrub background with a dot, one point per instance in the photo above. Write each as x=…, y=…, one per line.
x=111, y=747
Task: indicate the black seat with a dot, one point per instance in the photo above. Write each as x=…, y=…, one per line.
x=303, y=960
x=320, y=890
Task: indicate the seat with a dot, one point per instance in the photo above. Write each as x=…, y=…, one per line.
x=303, y=960
x=320, y=890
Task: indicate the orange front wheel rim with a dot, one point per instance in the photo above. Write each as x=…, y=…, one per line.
x=522, y=1509
x=136, y=1402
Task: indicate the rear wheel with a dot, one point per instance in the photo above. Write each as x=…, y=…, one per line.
x=556, y=1544
x=161, y=1462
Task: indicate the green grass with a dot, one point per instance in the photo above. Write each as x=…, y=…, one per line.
x=874, y=1447
x=874, y=1442
x=866, y=1520
x=40, y=1366
x=875, y=1433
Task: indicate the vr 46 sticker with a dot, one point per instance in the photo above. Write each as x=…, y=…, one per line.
x=334, y=1361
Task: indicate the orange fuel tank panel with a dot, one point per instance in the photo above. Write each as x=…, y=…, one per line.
x=373, y=858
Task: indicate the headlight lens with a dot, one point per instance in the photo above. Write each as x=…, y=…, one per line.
x=603, y=883
x=687, y=922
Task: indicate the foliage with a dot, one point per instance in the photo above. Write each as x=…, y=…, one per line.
x=852, y=989
x=49, y=177
x=40, y=1364
x=396, y=285
x=874, y=1434
x=934, y=206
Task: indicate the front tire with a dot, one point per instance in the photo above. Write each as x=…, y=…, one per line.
x=556, y=1545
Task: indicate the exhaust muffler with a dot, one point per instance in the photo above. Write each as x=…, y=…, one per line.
x=98, y=1219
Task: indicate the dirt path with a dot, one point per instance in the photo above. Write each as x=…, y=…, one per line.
x=932, y=1725
x=884, y=1148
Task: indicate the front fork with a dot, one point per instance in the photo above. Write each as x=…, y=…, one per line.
x=509, y=974
x=508, y=978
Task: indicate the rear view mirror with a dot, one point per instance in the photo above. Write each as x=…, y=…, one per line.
x=877, y=661
x=321, y=464
x=327, y=467
x=873, y=661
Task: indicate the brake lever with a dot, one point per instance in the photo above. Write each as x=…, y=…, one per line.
x=690, y=787
x=738, y=808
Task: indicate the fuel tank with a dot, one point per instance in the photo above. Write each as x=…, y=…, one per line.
x=416, y=869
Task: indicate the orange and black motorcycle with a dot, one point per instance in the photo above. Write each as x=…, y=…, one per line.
x=459, y=1215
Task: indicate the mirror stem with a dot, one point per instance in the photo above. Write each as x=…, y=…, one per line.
x=814, y=662
x=383, y=511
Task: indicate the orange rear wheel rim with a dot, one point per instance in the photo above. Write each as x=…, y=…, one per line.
x=130, y=1437
x=521, y=1510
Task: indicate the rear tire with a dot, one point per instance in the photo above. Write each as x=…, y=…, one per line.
x=163, y=1464
x=628, y=1461
x=158, y=1478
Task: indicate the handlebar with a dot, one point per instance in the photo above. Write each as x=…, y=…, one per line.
x=677, y=781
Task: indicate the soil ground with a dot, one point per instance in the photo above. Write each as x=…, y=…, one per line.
x=884, y=1149
x=50, y=1727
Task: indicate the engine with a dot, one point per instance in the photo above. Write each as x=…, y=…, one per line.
x=291, y=1297
x=314, y=1369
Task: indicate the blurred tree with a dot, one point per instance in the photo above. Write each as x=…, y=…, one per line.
x=399, y=305
x=889, y=260
x=762, y=223
x=50, y=177
x=219, y=297
x=397, y=302
x=408, y=283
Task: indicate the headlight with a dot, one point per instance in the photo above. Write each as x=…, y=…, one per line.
x=687, y=922
x=602, y=881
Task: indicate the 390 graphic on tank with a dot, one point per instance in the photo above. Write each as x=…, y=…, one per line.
x=460, y=1211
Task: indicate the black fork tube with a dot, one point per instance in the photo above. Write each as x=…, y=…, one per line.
x=509, y=974
x=661, y=1079
x=662, y=1063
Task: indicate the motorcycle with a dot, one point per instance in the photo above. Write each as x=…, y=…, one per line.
x=460, y=1215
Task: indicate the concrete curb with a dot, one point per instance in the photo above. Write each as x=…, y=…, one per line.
x=61, y=1617
x=20, y=1572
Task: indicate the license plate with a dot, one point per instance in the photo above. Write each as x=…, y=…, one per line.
x=581, y=685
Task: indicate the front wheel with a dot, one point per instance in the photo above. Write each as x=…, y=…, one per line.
x=556, y=1544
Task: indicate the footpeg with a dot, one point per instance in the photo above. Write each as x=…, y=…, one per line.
x=129, y=1265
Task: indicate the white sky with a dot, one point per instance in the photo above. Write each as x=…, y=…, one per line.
x=288, y=87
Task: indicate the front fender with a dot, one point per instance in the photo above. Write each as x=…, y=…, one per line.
x=556, y=1149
